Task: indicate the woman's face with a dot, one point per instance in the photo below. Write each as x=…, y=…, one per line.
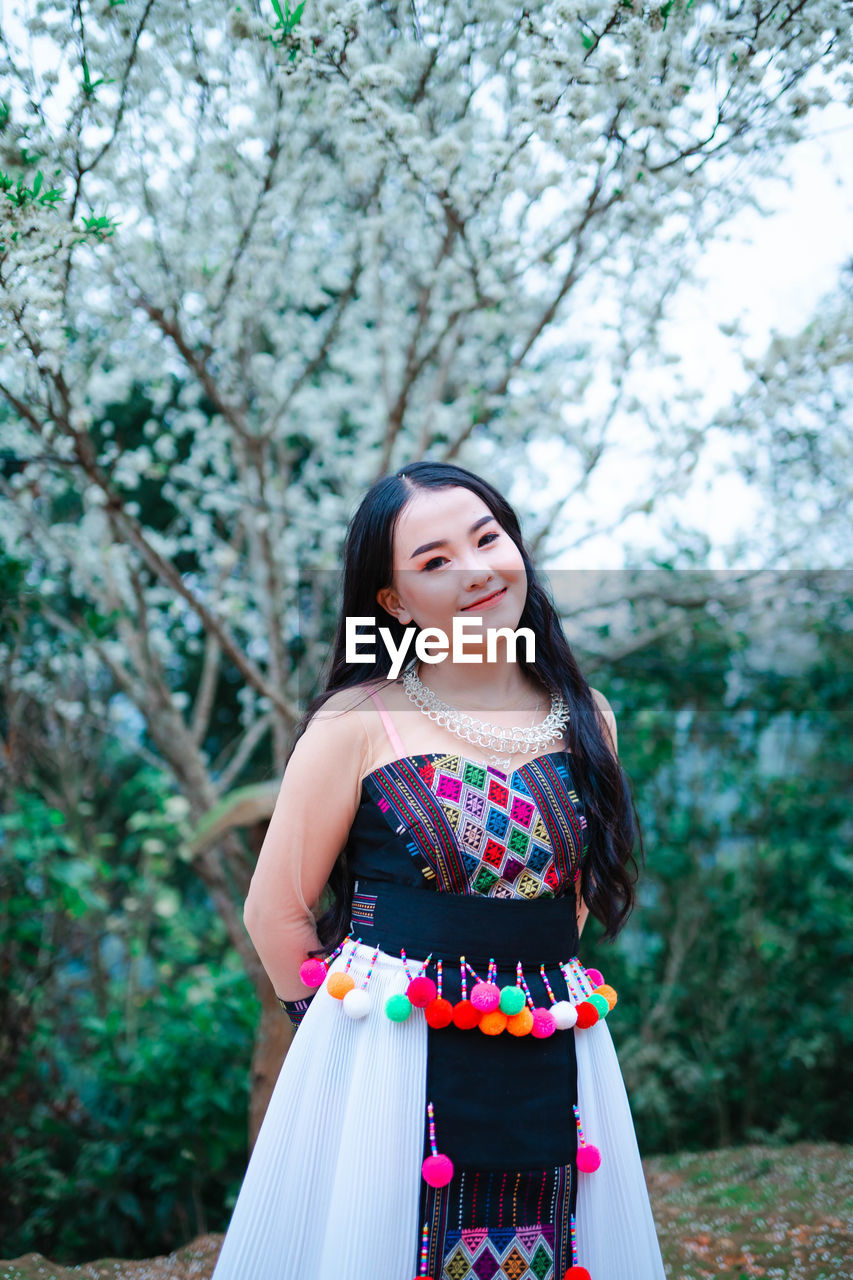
x=450, y=552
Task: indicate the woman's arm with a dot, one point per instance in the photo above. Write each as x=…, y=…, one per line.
x=316, y=805
x=610, y=723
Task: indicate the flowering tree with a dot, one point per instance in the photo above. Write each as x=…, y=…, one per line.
x=308, y=245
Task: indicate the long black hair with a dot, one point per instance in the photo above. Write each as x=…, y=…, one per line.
x=602, y=786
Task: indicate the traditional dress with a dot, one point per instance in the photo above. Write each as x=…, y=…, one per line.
x=455, y=862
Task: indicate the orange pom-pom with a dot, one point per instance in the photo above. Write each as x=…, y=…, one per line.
x=520, y=1024
x=493, y=1022
x=338, y=984
x=608, y=992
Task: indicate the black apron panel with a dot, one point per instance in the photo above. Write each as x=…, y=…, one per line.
x=501, y=1102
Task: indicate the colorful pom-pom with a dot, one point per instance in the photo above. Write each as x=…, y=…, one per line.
x=356, y=1003
x=398, y=1007
x=577, y=1273
x=589, y=1158
x=339, y=984
x=512, y=1001
x=421, y=990
x=565, y=1014
x=543, y=1024
x=439, y=1013
x=312, y=973
x=437, y=1170
x=587, y=1014
x=596, y=977
x=485, y=996
x=492, y=1024
x=600, y=1003
x=608, y=992
x=520, y=1024
x=465, y=1016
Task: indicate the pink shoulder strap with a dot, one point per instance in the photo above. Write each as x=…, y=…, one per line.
x=389, y=724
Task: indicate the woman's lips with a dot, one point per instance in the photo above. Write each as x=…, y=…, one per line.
x=487, y=603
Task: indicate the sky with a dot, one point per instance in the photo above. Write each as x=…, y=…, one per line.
x=770, y=272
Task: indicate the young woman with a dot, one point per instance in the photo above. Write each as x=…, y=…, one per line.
x=451, y=1105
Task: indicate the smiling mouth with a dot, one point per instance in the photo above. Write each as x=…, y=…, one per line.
x=487, y=599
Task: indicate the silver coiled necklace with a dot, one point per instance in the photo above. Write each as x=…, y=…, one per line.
x=502, y=741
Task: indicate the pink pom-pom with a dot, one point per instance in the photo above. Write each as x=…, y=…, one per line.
x=312, y=973
x=420, y=991
x=437, y=1170
x=595, y=976
x=589, y=1158
x=485, y=996
x=543, y=1024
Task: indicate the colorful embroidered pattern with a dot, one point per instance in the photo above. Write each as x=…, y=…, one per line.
x=478, y=830
x=500, y=1226
x=525, y=1254
x=363, y=908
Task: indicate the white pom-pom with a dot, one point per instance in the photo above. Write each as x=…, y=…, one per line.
x=564, y=1014
x=357, y=1003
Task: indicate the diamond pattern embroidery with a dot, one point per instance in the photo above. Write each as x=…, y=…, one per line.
x=503, y=841
x=541, y=1264
x=523, y=1253
x=457, y=1265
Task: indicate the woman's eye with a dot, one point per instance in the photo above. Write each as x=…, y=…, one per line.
x=436, y=559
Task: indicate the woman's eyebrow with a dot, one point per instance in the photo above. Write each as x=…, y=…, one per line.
x=442, y=542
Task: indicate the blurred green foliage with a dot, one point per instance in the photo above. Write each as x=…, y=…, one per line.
x=127, y=1030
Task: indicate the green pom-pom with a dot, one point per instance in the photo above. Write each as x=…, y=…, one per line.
x=399, y=1007
x=512, y=1000
x=601, y=1005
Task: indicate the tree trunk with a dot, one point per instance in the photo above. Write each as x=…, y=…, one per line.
x=271, y=1044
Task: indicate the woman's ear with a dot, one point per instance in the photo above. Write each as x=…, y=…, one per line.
x=391, y=603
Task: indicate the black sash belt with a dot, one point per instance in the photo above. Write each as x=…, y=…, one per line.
x=504, y=1101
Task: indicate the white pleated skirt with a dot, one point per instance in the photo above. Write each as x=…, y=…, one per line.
x=332, y=1188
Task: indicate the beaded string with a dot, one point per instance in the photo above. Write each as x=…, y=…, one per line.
x=462, y=969
x=370, y=967
x=405, y=965
x=581, y=1138
x=439, y=976
x=473, y=972
x=547, y=984
x=425, y=963
x=523, y=984
x=583, y=981
x=422, y=1270
x=431, y=1114
x=571, y=982
x=574, y=1240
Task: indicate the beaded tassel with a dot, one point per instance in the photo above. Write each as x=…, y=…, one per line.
x=357, y=1001
x=312, y=971
x=437, y=1169
x=422, y=1269
x=399, y=1006
x=543, y=1022
x=340, y=983
x=575, y=1272
x=589, y=1156
x=439, y=1012
x=562, y=1011
x=421, y=990
x=519, y=1018
x=465, y=1016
